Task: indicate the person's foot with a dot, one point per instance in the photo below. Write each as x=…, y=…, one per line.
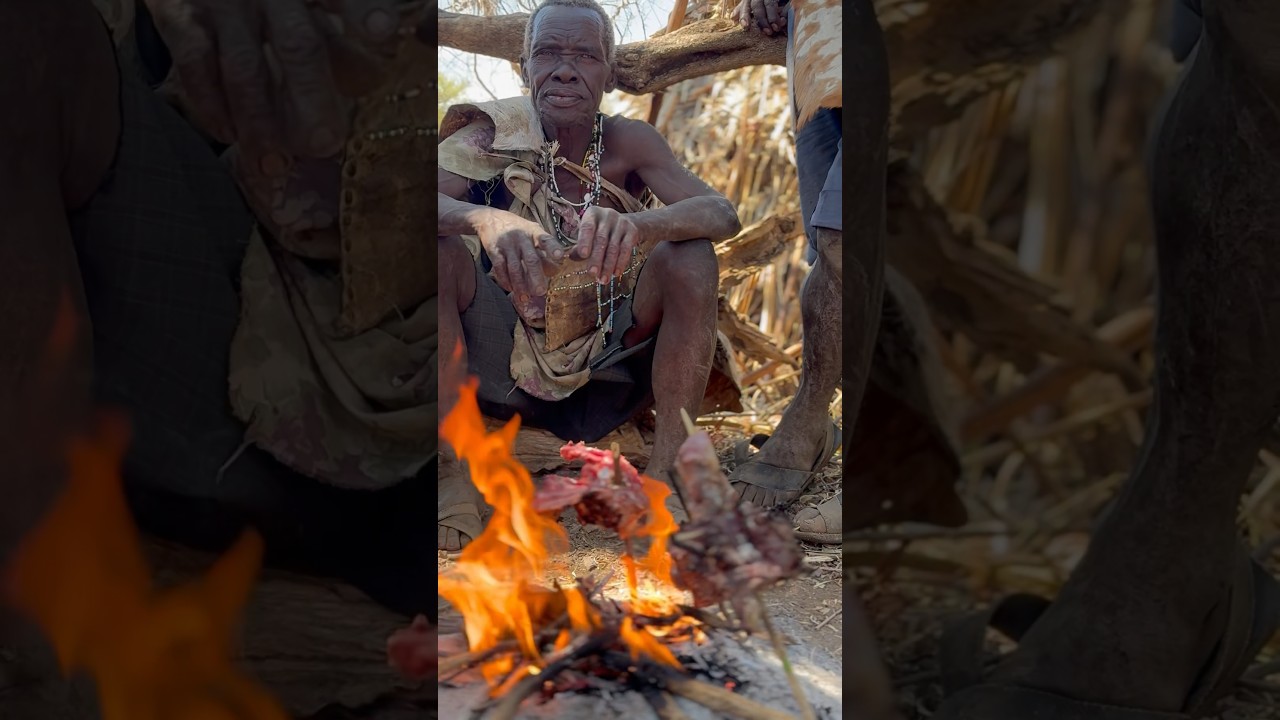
x=821, y=523
x=786, y=463
x=1128, y=637
x=458, y=508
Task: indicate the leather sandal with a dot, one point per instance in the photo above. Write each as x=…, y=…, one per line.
x=787, y=484
x=1248, y=616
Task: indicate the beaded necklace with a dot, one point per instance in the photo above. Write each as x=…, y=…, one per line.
x=605, y=298
x=590, y=162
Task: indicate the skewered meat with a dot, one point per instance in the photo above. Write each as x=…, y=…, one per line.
x=604, y=494
x=728, y=549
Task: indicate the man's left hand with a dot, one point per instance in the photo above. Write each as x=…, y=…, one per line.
x=607, y=237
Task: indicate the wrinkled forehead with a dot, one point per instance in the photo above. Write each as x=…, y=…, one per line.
x=559, y=26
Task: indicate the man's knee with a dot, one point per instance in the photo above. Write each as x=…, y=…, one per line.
x=830, y=248
x=689, y=270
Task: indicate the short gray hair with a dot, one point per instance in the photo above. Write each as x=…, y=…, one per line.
x=609, y=42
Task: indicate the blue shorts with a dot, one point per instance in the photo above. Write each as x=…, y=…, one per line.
x=819, y=154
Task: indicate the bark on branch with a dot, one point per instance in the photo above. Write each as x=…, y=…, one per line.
x=701, y=48
x=942, y=53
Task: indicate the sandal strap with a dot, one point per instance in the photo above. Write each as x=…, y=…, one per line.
x=960, y=655
x=787, y=479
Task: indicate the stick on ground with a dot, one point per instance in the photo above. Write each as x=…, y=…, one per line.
x=713, y=697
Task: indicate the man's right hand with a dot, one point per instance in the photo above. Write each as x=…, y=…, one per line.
x=218, y=49
x=521, y=252
x=767, y=16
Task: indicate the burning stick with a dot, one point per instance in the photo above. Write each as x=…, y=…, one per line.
x=585, y=646
x=733, y=565
x=712, y=697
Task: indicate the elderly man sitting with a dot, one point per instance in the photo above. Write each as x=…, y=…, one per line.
x=563, y=284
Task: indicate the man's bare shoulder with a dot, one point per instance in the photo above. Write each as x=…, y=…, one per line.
x=635, y=138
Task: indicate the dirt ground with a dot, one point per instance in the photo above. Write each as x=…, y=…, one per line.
x=806, y=610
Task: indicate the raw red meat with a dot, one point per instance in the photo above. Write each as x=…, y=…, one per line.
x=603, y=495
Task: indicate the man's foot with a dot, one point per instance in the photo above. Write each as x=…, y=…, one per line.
x=785, y=464
x=458, y=508
x=821, y=523
x=1180, y=664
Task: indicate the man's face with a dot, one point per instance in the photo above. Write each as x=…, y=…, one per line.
x=567, y=71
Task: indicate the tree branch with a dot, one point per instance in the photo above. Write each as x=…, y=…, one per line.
x=700, y=48
x=942, y=53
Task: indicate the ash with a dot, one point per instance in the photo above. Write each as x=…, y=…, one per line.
x=751, y=665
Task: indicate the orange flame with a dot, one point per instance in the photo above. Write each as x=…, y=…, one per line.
x=582, y=616
x=659, y=525
x=82, y=577
x=491, y=581
x=653, y=598
x=640, y=642
x=494, y=584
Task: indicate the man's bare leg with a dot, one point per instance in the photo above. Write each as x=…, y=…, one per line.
x=457, y=289
x=828, y=292
x=1161, y=559
x=676, y=300
x=58, y=133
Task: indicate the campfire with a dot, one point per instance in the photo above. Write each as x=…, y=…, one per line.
x=528, y=633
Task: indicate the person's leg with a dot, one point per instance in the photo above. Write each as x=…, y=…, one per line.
x=829, y=292
x=675, y=299
x=58, y=133
x=457, y=524
x=1159, y=561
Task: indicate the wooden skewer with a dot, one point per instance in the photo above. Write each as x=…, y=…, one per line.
x=689, y=427
x=806, y=710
